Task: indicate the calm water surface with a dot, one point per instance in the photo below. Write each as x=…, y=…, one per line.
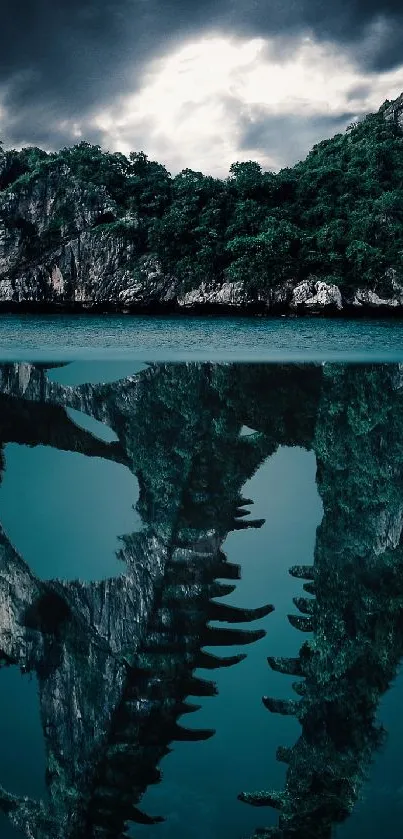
x=184, y=337
x=167, y=528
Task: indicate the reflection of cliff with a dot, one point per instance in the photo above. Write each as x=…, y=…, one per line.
x=115, y=659
x=356, y=616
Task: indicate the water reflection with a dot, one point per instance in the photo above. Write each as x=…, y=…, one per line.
x=356, y=612
x=118, y=660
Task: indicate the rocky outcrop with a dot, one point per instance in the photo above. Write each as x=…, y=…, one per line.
x=229, y=294
x=315, y=296
x=46, y=246
x=394, y=111
x=90, y=269
x=367, y=299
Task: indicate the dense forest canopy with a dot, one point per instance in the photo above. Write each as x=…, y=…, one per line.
x=337, y=214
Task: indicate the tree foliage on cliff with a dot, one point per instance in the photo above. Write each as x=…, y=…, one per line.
x=336, y=214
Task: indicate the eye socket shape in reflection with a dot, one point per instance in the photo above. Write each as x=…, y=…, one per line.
x=116, y=658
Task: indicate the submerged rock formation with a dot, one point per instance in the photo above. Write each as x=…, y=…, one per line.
x=356, y=614
x=115, y=659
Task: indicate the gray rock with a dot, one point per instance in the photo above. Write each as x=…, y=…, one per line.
x=394, y=111
x=370, y=299
x=316, y=295
x=228, y=294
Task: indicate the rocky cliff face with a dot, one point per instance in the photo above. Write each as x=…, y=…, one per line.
x=394, y=111
x=64, y=243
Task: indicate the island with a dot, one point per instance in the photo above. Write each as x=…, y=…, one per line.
x=84, y=229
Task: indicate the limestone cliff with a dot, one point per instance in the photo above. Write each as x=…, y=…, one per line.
x=83, y=230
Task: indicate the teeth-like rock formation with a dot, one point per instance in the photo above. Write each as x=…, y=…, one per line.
x=115, y=659
x=355, y=618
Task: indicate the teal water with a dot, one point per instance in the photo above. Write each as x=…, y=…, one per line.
x=21, y=735
x=107, y=337
x=315, y=455
x=94, y=372
x=63, y=512
x=381, y=805
x=22, y=757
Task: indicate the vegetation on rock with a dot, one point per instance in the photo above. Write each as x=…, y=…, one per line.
x=337, y=215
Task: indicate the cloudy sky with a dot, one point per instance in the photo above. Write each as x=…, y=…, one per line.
x=195, y=83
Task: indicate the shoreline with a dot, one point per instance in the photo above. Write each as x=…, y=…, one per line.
x=257, y=310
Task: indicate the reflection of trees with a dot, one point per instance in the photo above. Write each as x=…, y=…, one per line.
x=356, y=615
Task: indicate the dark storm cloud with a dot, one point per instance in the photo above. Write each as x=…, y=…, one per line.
x=60, y=59
x=289, y=137
x=343, y=21
x=61, y=46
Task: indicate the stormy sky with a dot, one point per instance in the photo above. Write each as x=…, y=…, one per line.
x=195, y=83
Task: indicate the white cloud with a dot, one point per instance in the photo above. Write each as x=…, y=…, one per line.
x=191, y=104
x=72, y=128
